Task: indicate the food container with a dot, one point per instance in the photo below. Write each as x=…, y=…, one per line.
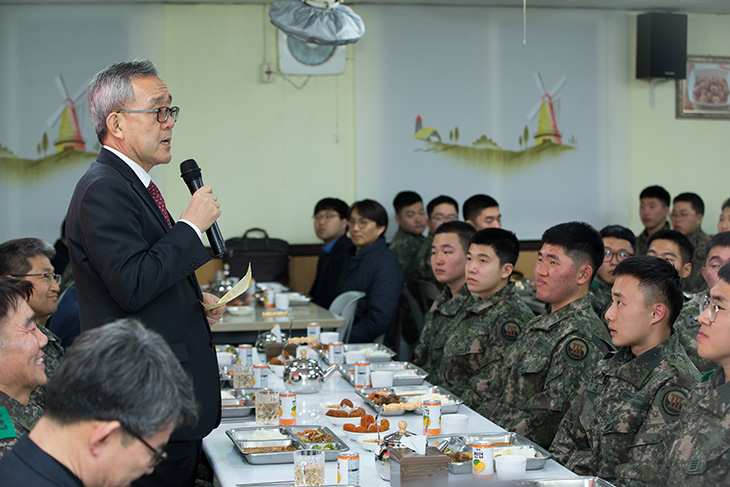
x=236, y=403
x=501, y=441
x=568, y=482
x=374, y=352
x=305, y=376
x=390, y=443
x=240, y=438
x=410, y=394
x=404, y=373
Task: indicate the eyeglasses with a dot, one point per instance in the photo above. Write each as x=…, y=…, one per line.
x=439, y=218
x=712, y=308
x=681, y=215
x=328, y=216
x=157, y=456
x=620, y=256
x=48, y=277
x=362, y=222
x=162, y=113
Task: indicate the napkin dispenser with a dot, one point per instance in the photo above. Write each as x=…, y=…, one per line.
x=410, y=469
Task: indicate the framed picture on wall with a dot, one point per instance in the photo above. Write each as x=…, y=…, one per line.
x=706, y=91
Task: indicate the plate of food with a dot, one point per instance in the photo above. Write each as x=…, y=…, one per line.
x=708, y=87
x=261, y=445
x=367, y=424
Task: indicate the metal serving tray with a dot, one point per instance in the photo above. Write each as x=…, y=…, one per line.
x=502, y=441
x=569, y=482
x=411, y=393
x=404, y=373
x=384, y=354
x=241, y=406
x=240, y=438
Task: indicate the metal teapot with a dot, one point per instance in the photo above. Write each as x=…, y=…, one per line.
x=304, y=375
x=388, y=443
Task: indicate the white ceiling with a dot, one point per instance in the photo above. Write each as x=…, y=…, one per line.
x=683, y=6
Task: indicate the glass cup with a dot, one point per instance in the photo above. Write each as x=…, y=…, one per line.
x=267, y=407
x=242, y=376
x=308, y=467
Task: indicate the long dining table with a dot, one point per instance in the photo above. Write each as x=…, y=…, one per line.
x=232, y=470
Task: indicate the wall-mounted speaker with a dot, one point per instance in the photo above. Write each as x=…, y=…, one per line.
x=661, y=46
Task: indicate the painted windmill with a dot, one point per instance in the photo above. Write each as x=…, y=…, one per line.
x=547, y=125
x=69, y=131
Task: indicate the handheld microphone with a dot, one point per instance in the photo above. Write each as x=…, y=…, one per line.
x=190, y=172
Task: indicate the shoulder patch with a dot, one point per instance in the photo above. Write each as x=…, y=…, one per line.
x=7, y=428
x=510, y=330
x=672, y=401
x=576, y=349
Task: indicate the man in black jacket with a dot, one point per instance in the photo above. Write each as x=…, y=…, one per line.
x=330, y=225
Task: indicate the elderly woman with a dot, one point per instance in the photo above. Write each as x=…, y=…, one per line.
x=374, y=270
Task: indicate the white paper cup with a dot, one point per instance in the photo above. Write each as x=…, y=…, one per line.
x=454, y=423
x=225, y=358
x=327, y=337
x=354, y=356
x=510, y=467
x=281, y=301
x=381, y=378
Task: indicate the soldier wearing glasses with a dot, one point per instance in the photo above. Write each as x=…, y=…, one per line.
x=29, y=259
x=130, y=258
x=115, y=399
x=619, y=244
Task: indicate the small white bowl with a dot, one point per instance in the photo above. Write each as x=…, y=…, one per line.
x=510, y=467
x=341, y=421
x=240, y=310
x=327, y=405
x=225, y=358
x=355, y=436
x=369, y=445
x=454, y=423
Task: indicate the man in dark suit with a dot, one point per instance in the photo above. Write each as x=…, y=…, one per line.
x=131, y=259
x=330, y=225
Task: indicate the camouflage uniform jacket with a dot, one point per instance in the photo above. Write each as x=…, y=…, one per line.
x=405, y=247
x=555, y=354
x=439, y=324
x=623, y=410
x=474, y=352
x=16, y=421
x=641, y=246
x=686, y=327
x=695, y=283
x=423, y=262
x=53, y=353
x=601, y=297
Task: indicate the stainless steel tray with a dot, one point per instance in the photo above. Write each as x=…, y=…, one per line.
x=502, y=441
x=409, y=394
x=404, y=373
x=382, y=353
x=240, y=438
x=569, y=482
x=241, y=406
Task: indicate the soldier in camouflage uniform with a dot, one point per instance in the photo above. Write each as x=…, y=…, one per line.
x=475, y=350
x=440, y=210
x=637, y=391
x=30, y=259
x=653, y=211
x=675, y=248
x=686, y=218
x=618, y=242
x=448, y=259
x=21, y=362
x=482, y=211
x=556, y=351
x=687, y=326
x=411, y=219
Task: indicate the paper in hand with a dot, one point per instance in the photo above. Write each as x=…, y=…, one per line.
x=237, y=290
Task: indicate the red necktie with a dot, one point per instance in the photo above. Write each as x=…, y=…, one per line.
x=157, y=196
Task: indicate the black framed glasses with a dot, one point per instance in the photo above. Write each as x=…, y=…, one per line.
x=163, y=113
x=712, y=308
x=48, y=277
x=157, y=456
x=620, y=256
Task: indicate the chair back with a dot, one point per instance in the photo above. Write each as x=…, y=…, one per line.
x=405, y=349
x=345, y=305
x=429, y=293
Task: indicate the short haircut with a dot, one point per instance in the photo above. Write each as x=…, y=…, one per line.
x=693, y=199
x=440, y=200
x=724, y=273
x=463, y=230
x=618, y=231
x=372, y=210
x=405, y=198
x=333, y=204
x=111, y=89
x=686, y=249
x=504, y=243
x=476, y=204
x=125, y=372
x=656, y=192
x=15, y=254
x=580, y=241
x=12, y=291
x=658, y=281
x=720, y=240
x=725, y=204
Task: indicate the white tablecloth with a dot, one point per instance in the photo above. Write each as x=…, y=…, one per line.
x=231, y=469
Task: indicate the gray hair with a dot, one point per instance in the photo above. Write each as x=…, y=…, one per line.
x=15, y=254
x=111, y=89
x=125, y=372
